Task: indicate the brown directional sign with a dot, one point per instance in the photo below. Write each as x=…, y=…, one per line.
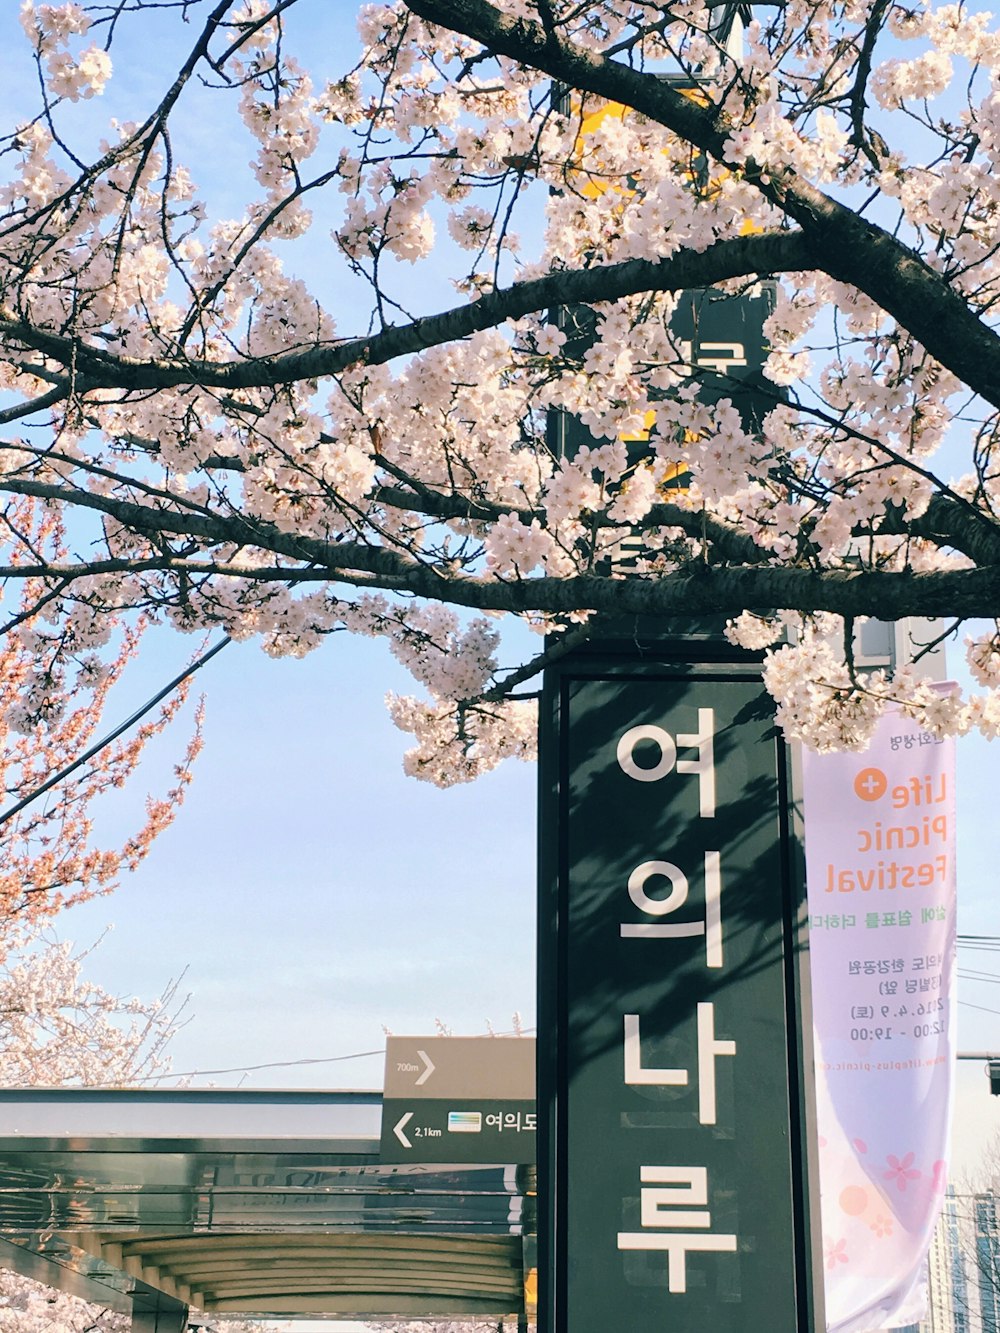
x=433, y=1067
x=459, y=1099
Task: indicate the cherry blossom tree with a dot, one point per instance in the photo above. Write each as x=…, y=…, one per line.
x=55, y=681
x=225, y=444
x=57, y=1028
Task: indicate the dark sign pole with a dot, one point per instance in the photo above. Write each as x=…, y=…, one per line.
x=672, y=1099
x=671, y=1102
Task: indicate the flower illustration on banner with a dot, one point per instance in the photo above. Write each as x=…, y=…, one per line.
x=836, y=1253
x=901, y=1171
x=882, y=1226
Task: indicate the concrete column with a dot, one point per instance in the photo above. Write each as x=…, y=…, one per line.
x=158, y=1314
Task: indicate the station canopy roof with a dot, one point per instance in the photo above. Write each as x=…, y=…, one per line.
x=252, y=1203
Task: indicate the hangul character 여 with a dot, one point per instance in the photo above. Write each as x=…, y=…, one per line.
x=664, y=1207
x=703, y=740
x=495, y=1121
x=709, y=1049
x=711, y=927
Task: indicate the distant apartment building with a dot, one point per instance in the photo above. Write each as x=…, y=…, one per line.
x=963, y=1267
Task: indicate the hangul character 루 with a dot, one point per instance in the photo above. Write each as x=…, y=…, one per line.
x=678, y=1200
x=711, y=927
x=709, y=1049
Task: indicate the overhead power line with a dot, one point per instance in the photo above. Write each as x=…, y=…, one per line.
x=112, y=736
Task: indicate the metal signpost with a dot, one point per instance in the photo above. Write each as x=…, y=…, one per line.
x=459, y=1099
x=672, y=1103
x=673, y=1097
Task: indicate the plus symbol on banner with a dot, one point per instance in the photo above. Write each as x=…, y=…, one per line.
x=870, y=784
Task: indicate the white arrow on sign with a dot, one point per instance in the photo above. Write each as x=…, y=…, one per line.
x=430, y=1067
x=398, y=1129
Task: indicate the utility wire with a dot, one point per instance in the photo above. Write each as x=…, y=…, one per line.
x=288, y=1064
x=98, y=746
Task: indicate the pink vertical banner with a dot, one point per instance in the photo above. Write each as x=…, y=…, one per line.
x=880, y=859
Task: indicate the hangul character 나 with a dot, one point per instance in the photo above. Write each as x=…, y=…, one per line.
x=678, y=1200
x=709, y=1049
x=711, y=927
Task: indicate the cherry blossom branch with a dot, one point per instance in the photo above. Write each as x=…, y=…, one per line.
x=839, y=241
